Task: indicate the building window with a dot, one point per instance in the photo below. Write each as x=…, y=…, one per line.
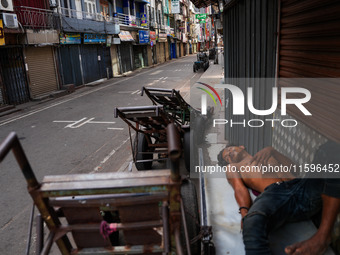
x=91, y=10
x=104, y=9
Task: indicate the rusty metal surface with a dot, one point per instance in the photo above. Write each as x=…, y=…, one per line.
x=309, y=48
x=140, y=216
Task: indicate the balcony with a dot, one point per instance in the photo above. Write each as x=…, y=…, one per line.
x=131, y=21
x=86, y=22
x=34, y=18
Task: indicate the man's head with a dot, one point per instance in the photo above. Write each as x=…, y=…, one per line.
x=231, y=154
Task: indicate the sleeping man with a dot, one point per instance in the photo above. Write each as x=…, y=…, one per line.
x=282, y=198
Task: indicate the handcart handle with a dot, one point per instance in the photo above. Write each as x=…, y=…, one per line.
x=137, y=108
x=172, y=91
x=12, y=143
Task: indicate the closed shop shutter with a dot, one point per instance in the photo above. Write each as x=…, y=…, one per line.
x=250, y=51
x=41, y=68
x=125, y=57
x=309, y=48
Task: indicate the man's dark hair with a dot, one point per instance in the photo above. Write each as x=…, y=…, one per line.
x=220, y=159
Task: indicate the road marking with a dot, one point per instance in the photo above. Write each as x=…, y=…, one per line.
x=82, y=122
x=116, y=128
x=135, y=92
x=103, y=161
x=125, y=92
x=96, y=169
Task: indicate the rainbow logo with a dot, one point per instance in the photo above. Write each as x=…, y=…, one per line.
x=204, y=97
x=209, y=93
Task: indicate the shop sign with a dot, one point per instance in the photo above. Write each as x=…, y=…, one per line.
x=115, y=40
x=143, y=20
x=153, y=36
x=2, y=34
x=132, y=20
x=144, y=36
x=94, y=38
x=172, y=32
x=69, y=38
x=125, y=36
x=175, y=6
x=201, y=16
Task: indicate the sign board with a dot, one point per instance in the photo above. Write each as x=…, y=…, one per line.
x=143, y=20
x=201, y=16
x=153, y=36
x=175, y=6
x=2, y=34
x=125, y=36
x=69, y=38
x=115, y=40
x=144, y=36
x=94, y=38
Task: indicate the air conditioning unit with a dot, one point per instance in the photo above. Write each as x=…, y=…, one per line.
x=6, y=5
x=10, y=20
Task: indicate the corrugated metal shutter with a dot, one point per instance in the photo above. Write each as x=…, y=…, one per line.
x=250, y=41
x=310, y=47
x=41, y=68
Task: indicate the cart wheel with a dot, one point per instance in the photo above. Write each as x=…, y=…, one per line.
x=186, y=143
x=189, y=197
x=141, y=145
x=194, y=69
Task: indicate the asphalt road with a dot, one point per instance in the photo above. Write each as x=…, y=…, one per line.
x=76, y=134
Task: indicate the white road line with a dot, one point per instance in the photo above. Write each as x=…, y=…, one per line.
x=135, y=92
x=63, y=121
x=139, y=92
x=81, y=95
x=101, y=122
x=96, y=169
x=116, y=128
x=125, y=92
x=103, y=161
x=76, y=122
x=83, y=123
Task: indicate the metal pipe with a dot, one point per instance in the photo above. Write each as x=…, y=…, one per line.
x=28, y=247
x=12, y=142
x=184, y=222
x=40, y=233
x=165, y=213
x=203, y=207
x=179, y=247
x=49, y=242
x=174, y=151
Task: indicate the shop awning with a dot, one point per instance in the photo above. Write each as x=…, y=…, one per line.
x=125, y=36
x=162, y=39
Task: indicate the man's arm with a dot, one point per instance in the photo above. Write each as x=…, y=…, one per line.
x=263, y=156
x=241, y=192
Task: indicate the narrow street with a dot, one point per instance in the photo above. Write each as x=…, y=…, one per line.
x=76, y=133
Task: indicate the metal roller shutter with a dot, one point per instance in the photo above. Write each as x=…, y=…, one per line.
x=310, y=48
x=41, y=70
